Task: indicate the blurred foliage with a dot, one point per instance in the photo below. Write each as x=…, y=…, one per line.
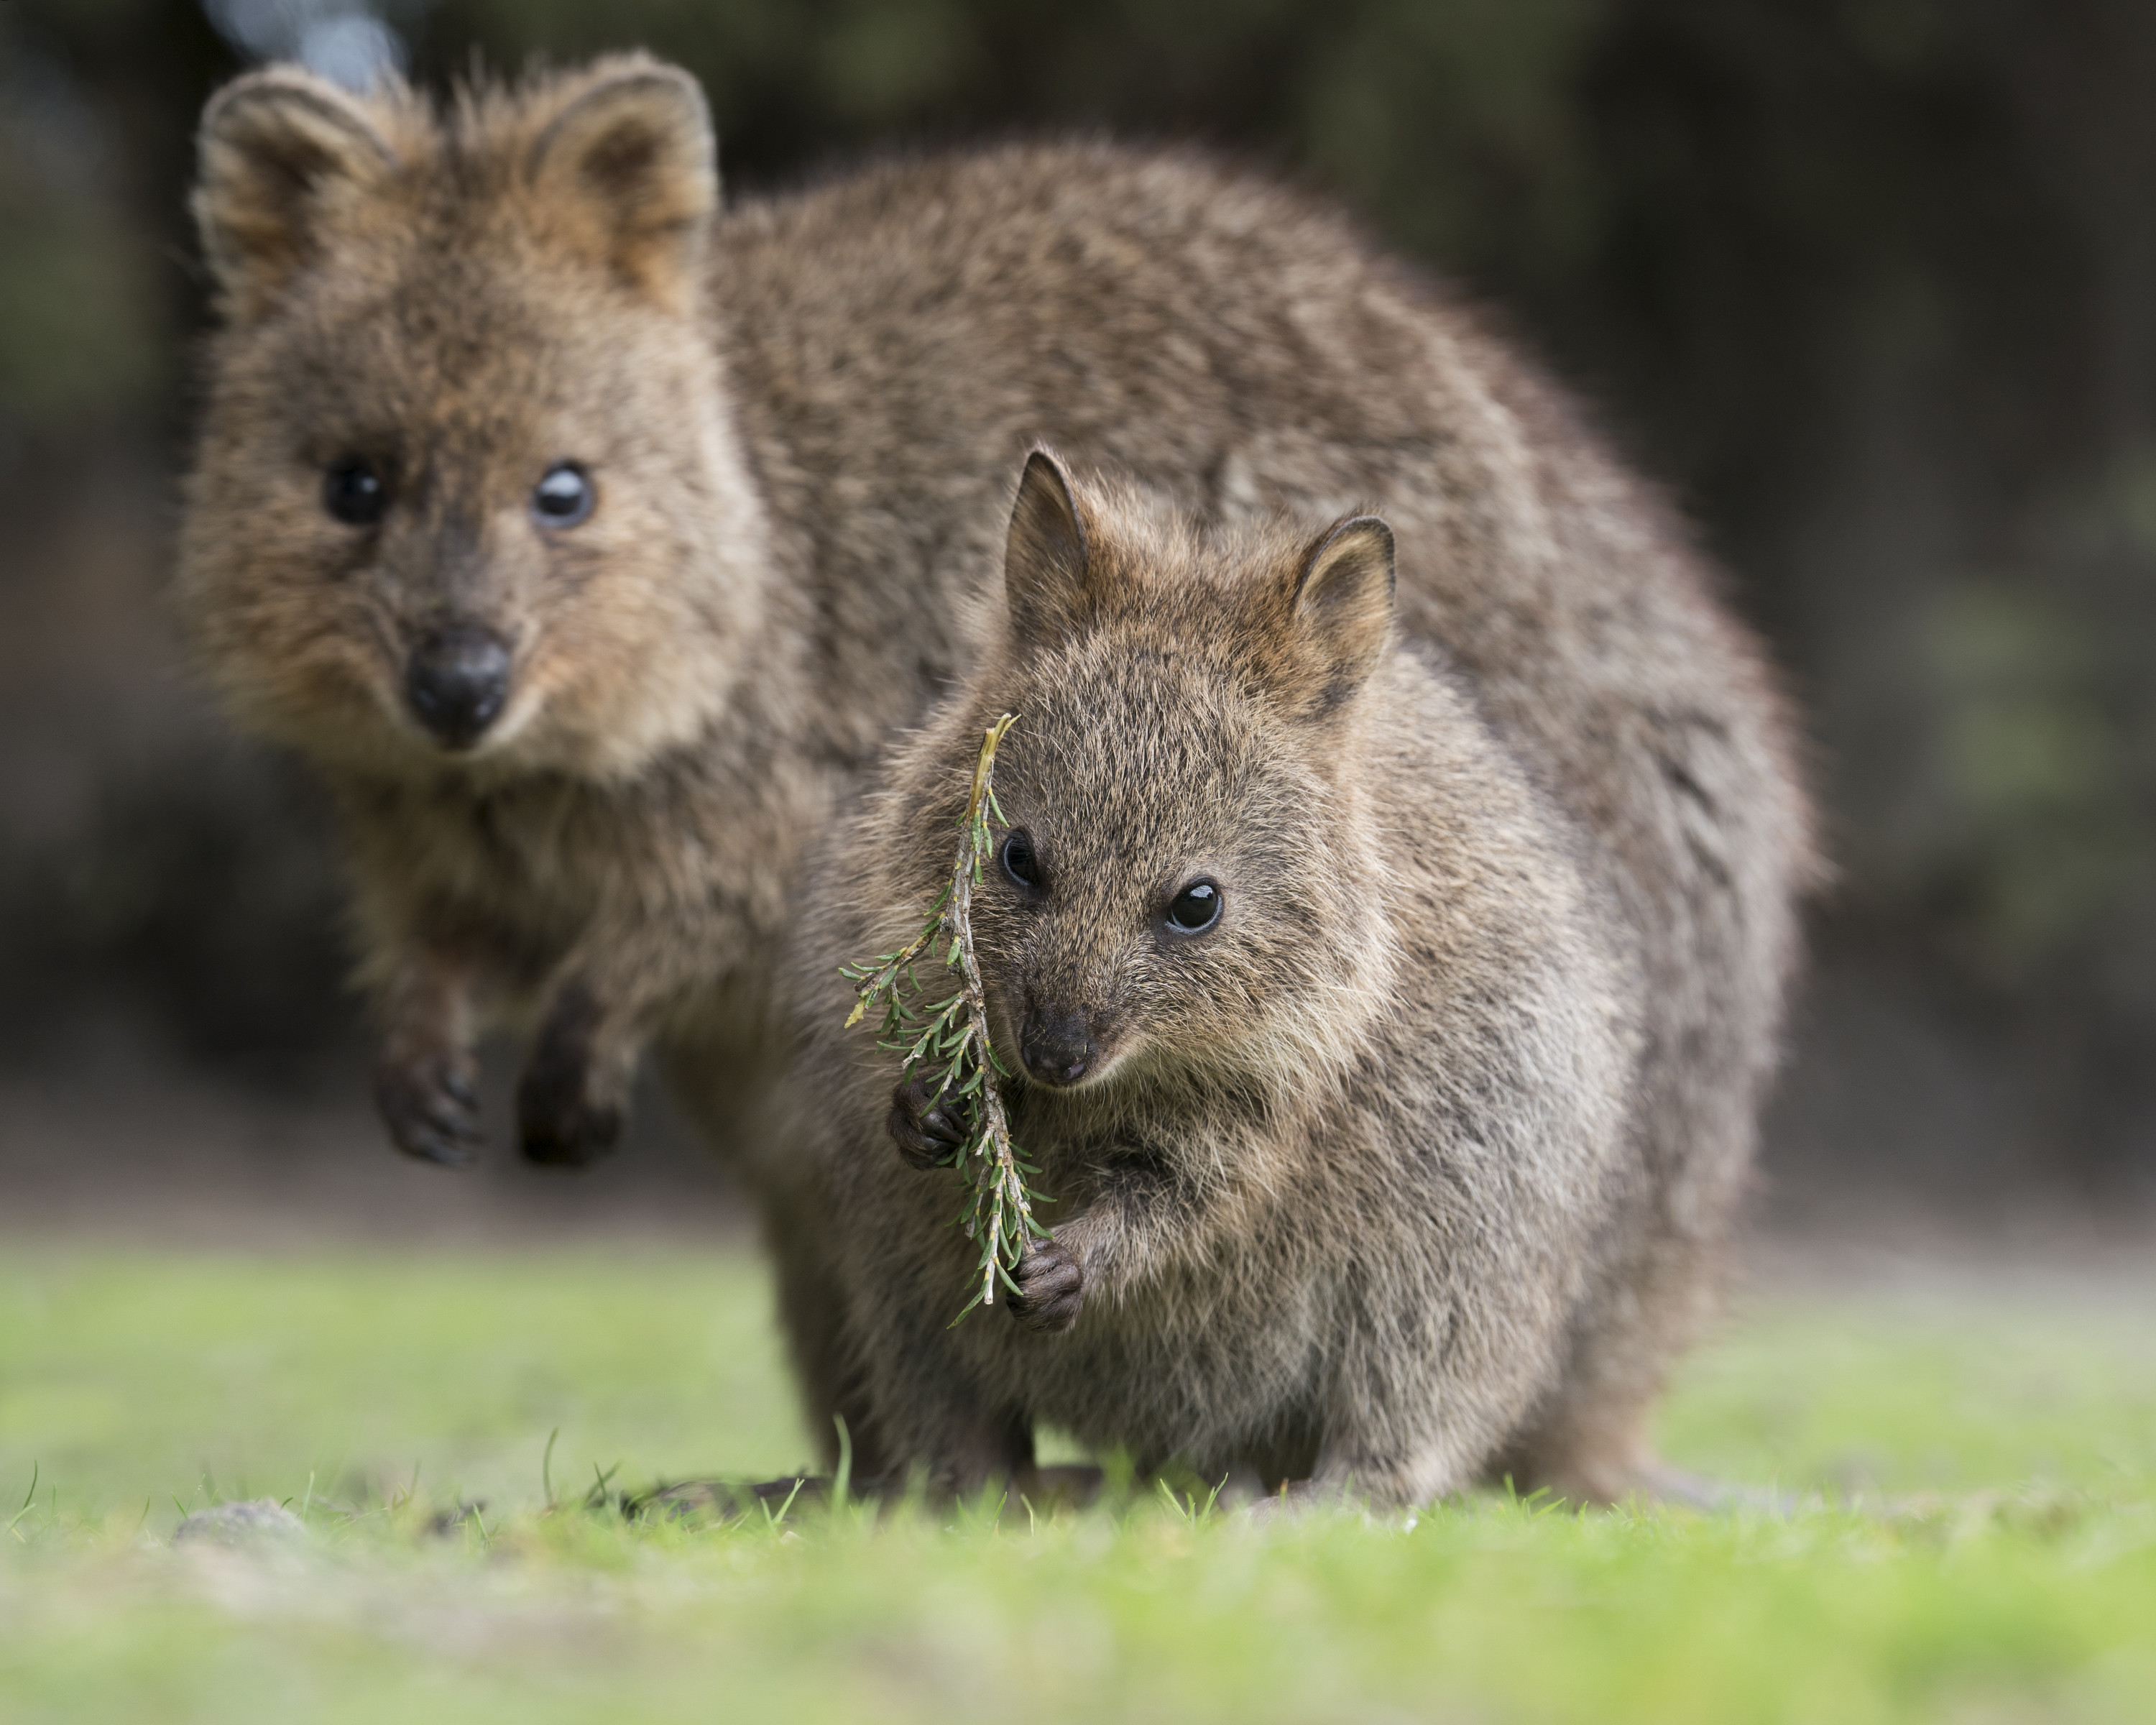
x=1871, y=284
x=92, y=161
x=206, y=901
x=72, y=284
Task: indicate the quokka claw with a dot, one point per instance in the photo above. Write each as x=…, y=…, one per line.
x=432, y=1112
x=1051, y=1288
x=925, y=1136
x=559, y=1131
x=560, y=1122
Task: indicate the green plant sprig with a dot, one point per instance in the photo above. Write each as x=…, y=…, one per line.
x=951, y=1040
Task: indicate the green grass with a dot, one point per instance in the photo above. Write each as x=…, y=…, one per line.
x=1984, y=1548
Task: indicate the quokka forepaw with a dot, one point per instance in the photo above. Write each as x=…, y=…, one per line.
x=431, y=1108
x=563, y=1117
x=559, y=1126
x=925, y=1136
x=1051, y=1288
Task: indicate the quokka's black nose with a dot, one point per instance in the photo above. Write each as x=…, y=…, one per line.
x=1057, y=1047
x=458, y=683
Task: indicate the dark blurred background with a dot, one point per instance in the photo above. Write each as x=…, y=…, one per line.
x=1871, y=286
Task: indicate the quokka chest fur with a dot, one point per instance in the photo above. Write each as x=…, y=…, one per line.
x=1321, y=1036
x=593, y=539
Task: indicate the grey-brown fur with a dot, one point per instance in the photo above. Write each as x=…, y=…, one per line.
x=803, y=416
x=1329, y=1172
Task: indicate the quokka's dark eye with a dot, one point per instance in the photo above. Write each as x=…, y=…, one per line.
x=354, y=492
x=1196, y=908
x=1020, y=862
x=565, y=497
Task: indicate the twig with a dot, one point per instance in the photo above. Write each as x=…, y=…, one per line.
x=954, y=1038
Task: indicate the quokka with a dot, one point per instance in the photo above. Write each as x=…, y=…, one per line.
x=593, y=539
x=1321, y=1034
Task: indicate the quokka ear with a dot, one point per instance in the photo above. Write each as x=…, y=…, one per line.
x=1044, y=560
x=1343, y=605
x=280, y=150
x=631, y=167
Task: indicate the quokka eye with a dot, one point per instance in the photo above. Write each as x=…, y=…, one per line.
x=1020, y=862
x=353, y=492
x=1196, y=908
x=565, y=497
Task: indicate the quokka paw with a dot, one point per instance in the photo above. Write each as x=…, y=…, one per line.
x=560, y=1121
x=925, y=1136
x=431, y=1109
x=560, y=1127
x=1051, y=1288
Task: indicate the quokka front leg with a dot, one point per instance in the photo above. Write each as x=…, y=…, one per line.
x=425, y=1078
x=1051, y=1281
x=1051, y=1288
x=927, y=1131
x=634, y=971
x=572, y=1098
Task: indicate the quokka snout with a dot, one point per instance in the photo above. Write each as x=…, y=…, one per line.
x=1321, y=1037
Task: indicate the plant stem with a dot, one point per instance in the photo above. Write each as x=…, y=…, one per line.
x=1002, y=1173
x=1001, y=1210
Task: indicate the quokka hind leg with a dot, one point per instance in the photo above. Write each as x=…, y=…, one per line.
x=1591, y=1439
x=827, y=1373
x=717, y=1075
x=947, y=1448
x=1387, y=1463
x=1660, y=1283
x=937, y=1425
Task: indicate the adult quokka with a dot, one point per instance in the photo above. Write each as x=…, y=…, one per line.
x=1321, y=1034
x=592, y=539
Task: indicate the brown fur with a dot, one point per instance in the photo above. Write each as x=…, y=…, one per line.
x=1328, y=1188
x=802, y=416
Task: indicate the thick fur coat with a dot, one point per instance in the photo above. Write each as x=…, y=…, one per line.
x=796, y=422
x=1329, y=1168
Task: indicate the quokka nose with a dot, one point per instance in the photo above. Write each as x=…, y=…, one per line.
x=1056, y=1047
x=458, y=683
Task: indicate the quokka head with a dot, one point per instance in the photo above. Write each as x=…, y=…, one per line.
x=1188, y=880
x=465, y=487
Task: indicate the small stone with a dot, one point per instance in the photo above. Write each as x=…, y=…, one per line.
x=236, y=1526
